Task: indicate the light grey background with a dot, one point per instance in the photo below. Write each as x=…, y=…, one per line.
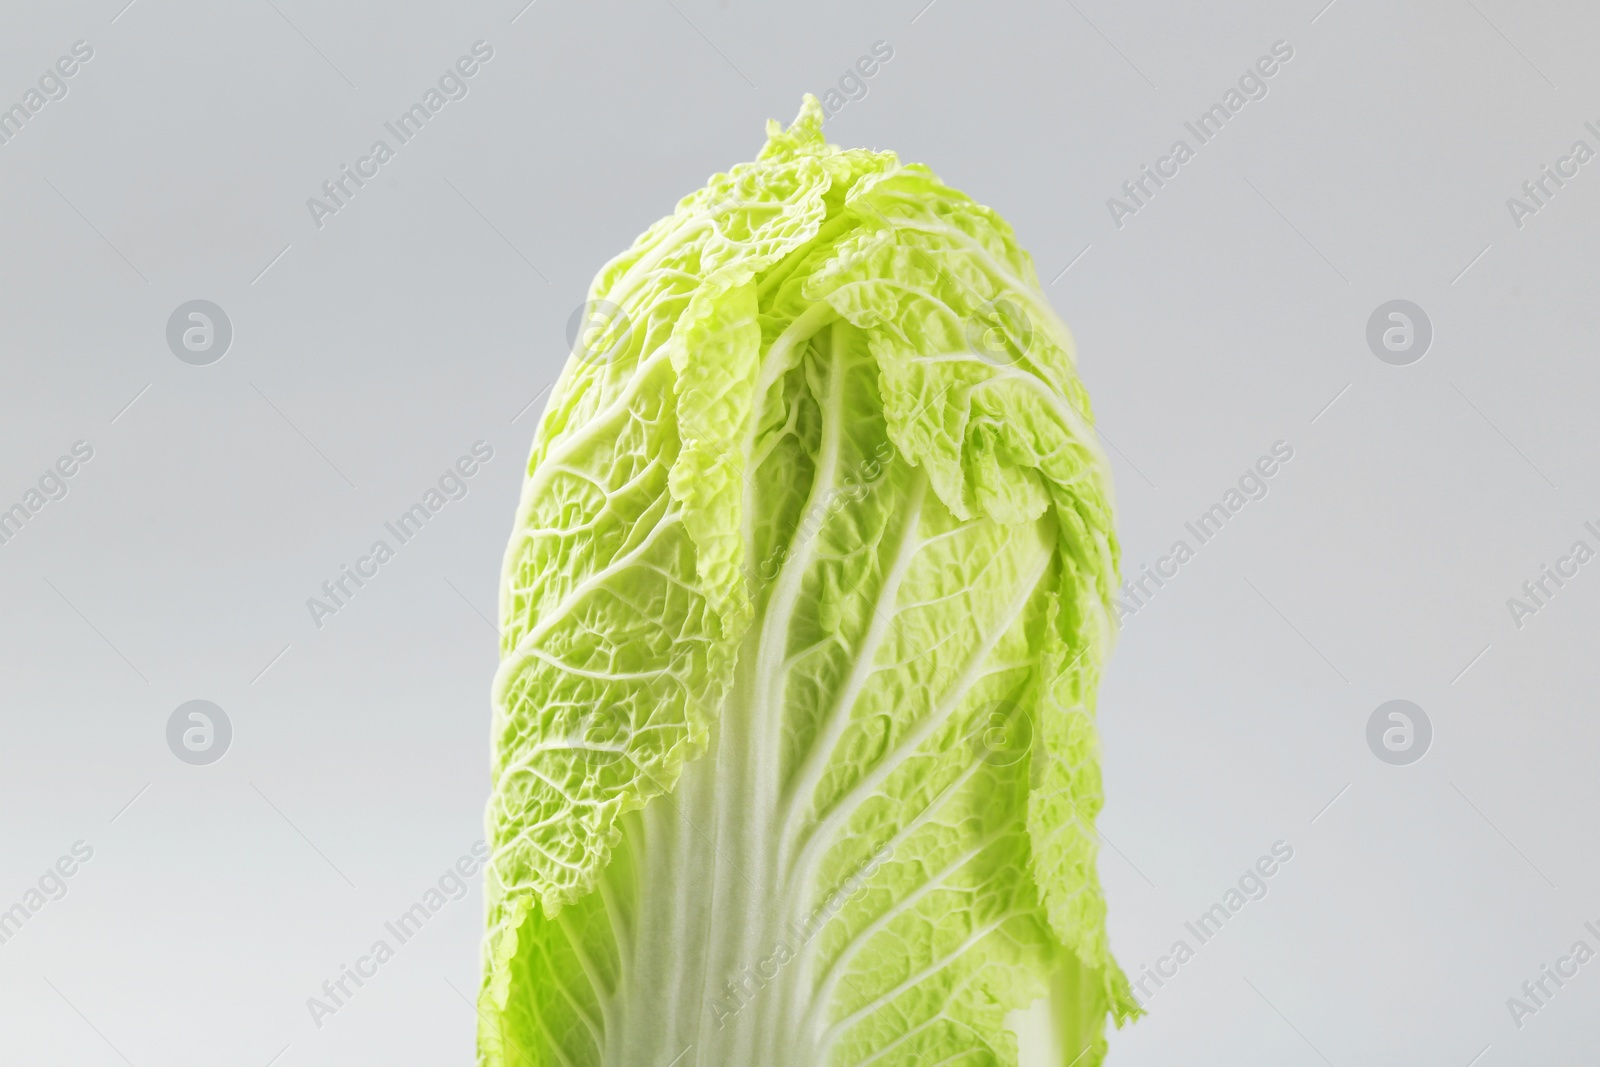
x=428, y=314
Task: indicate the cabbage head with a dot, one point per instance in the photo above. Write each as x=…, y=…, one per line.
x=806, y=600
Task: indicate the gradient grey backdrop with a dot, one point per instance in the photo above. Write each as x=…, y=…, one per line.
x=429, y=313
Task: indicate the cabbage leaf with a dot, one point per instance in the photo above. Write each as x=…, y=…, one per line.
x=794, y=756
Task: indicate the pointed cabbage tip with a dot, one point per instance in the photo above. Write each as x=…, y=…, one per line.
x=804, y=135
